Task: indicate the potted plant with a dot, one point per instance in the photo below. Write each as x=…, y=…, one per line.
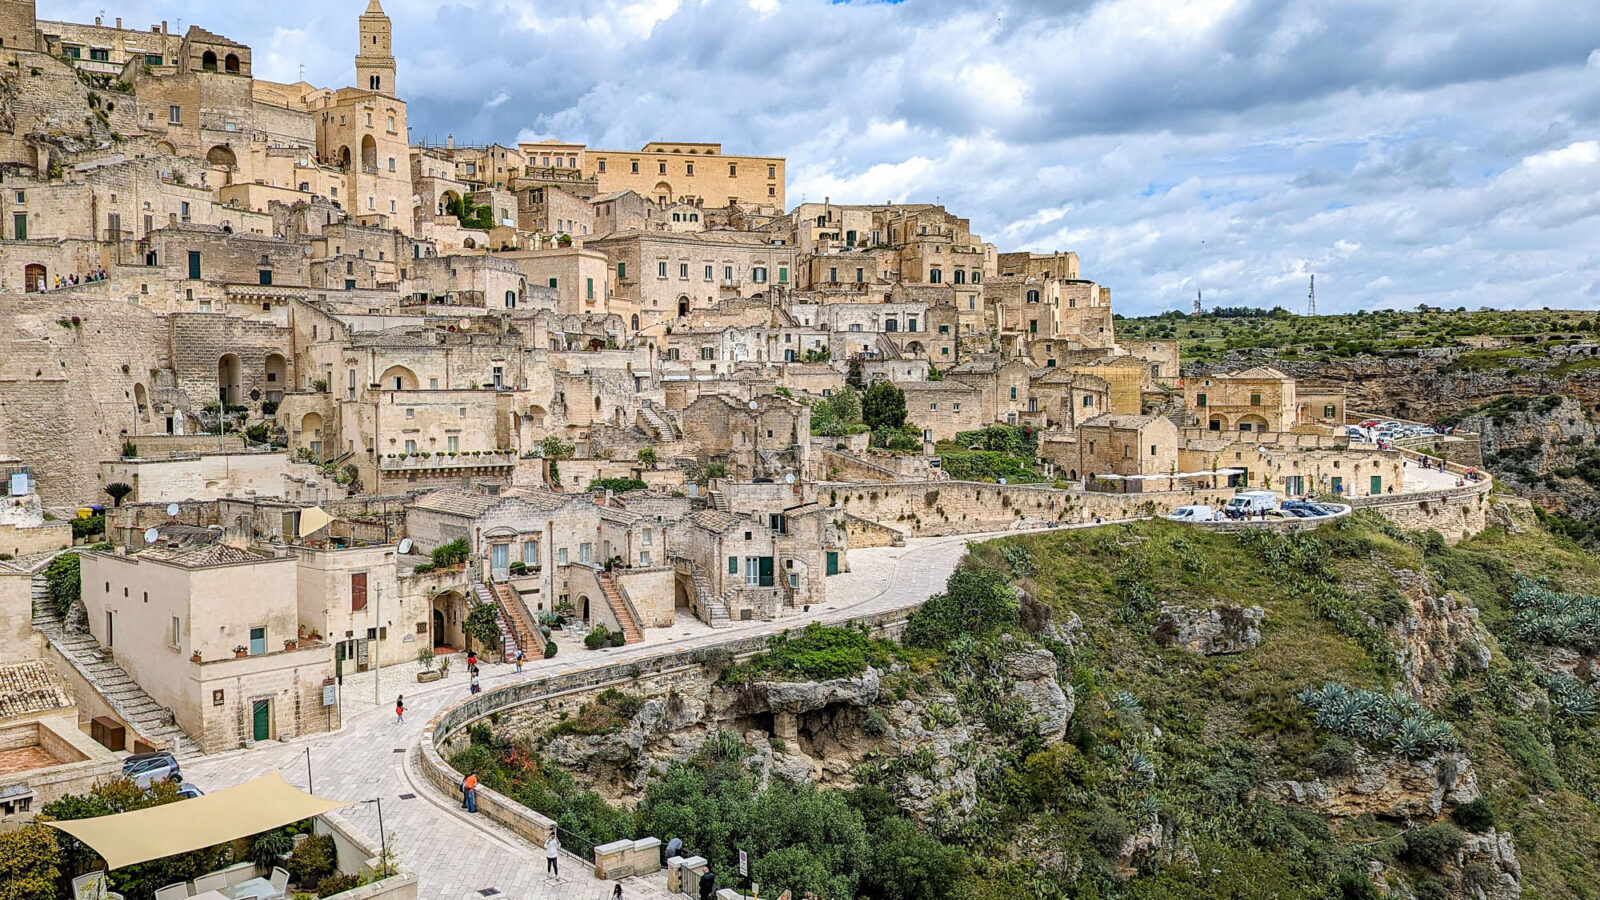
x=195, y=656
x=425, y=658
x=241, y=651
x=444, y=667
x=291, y=644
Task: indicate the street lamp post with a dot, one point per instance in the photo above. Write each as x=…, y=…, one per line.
x=309, y=788
x=377, y=649
x=383, y=837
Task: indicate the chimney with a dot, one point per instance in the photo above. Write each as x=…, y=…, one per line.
x=97, y=20
x=163, y=26
x=119, y=23
x=449, y=142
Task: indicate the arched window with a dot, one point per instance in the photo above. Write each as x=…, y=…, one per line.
x=230, y=64
x=635, y=321
x=961, y=276
x=375, y=83
x=1033, y=296
x=511, y=299
x=208, y=61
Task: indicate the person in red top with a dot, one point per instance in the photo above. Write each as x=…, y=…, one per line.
x=400, y=709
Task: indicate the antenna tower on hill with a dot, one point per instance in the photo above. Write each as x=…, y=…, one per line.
x=1311, y=298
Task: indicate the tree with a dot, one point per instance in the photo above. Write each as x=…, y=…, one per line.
x=118, y=490
x=617, y=485
x=883, y=407
x=908, y=864
x=481, y=626
x=647, y=456
x=29, y=863
x=975, y=601
x=845, y=405
x=854, y=376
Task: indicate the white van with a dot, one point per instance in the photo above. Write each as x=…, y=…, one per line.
x=1193, y=514
x=1250, y=503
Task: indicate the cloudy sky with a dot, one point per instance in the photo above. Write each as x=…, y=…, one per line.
x=1405, y=151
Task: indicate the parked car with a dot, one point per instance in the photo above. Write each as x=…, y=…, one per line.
x=1248, y=503
x=188, y=791
x=1193, y=514
x=147, y=768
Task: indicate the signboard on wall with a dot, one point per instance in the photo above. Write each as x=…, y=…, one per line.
x=329, y=694
x=19, y=484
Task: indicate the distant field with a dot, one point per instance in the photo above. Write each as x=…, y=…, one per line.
x=1207, y=337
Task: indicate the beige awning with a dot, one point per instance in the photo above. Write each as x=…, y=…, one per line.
x=261, y=805
x=312, y=520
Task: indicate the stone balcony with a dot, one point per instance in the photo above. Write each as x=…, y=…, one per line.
x=416, y=462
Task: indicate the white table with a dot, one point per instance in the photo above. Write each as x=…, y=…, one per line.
x=251, y=890
x=211, y=895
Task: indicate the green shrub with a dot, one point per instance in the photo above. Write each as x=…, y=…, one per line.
x=315, y=859
x=337, y=883
x=63, y=581
x=979, y=602
x=818, y=653
x=1334, y=757
x=1476, y=816
x=452, y=553
x=1432, y=845
x=617, y=485
x=268, y=848
x=597, y=637
x=549, y=649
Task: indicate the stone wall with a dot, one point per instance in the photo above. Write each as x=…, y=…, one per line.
x=929, y=508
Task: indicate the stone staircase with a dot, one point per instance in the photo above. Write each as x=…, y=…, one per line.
x=661, y=426
x=524, y=629
x=718, y=500
x=632, y=630
x=484, y=592
x=151, y=722
x=715, y=609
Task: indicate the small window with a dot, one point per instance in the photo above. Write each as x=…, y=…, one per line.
x=661, y=270
x=1200, y=400
x=175, y=114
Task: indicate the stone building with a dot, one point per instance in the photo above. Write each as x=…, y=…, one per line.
x=232, y=673
x=698, y=173
x=1256, y=399
x=1120, y=444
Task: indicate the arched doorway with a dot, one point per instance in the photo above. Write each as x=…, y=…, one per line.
x=229, y=391
x=448, y=615
x=369, y=152
x=277, y=372
x=141, y=401
x=1256, y=424
x=683, y=307
x=447, y=200
x=311, y=433
x=208, y=61
x=398, y=378
x=344, y=156
x=663, y=192
x=34, y=278
x=583, y=607
x=222, y=155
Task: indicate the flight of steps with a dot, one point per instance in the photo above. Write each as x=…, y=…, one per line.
x=715, y=609
x=149, y=719
x=523, y=626
x=663, y=427
x=485, y=593
x=719, y=501
x=631, y=630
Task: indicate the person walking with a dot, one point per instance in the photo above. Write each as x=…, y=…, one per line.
x=469, y=792
x=674, y=848
x=616, y=892
x=472, y=661
x=552, y=850
x=708, y=885
x=474, y=686
x=519, y=664
x=400, y=709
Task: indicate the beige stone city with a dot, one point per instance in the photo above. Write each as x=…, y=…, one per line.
x=304, y=352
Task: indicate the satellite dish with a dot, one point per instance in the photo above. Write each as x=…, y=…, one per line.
x=405, y=546
x=788, y=478
x=754, y=404
x=1002, y=481
x=151, y=535
x=172, y=509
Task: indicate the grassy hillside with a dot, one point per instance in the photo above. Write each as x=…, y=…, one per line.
x=1385, y=659
x=1208, y=337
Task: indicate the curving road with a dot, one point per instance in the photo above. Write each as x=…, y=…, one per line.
x=460, y=856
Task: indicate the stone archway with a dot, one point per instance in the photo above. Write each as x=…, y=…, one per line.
x=208, y=61
x=447, y=615
x=230, y=390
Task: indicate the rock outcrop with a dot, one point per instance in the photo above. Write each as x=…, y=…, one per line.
x=1386, y=786
x=1490, y=868
x=1049, y=704
x=1439, y=633
x=1218, y=630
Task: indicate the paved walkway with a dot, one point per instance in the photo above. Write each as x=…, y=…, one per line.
x=457, y=856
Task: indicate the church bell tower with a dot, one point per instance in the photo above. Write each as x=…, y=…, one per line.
x=375, y=58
